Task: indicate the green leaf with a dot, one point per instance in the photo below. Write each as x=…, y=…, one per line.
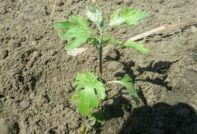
x=95, y=15
x=109, y=39
x=126, y=81
x=89, y=92
x=128, y=16
x=62, y=25
x=95, y=42
x=139, y=46
x=75, y=30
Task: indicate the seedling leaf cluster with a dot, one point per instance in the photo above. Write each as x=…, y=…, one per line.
x=76, y=30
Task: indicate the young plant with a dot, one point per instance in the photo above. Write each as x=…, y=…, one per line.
x=90, y=91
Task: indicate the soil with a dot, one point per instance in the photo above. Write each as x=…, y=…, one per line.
x=36, y=72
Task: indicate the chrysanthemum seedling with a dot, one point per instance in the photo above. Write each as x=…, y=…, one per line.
x=90, y=91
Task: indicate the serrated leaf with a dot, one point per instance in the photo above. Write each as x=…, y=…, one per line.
x=95, y=15
x=128, y=16
x=89, y=92
x=126, y=81
x=88, y=101
x=75, y=30
x=139, y=46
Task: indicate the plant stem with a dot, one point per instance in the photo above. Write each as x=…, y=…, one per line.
x=101, y=52
x=101, y=59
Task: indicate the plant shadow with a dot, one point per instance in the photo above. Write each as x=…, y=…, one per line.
x=116, y=109
x=159, y=68
x=161, y=118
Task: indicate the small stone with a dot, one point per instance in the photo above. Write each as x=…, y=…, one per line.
x=112, y=54
x=113, y=66
x=4, y=54
x=8, y=126
x=32, y=95
x=25, y=104
x=194, y=29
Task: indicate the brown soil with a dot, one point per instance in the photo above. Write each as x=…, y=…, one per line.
x=36, y=72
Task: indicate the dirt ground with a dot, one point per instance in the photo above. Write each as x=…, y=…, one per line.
x=36, y=72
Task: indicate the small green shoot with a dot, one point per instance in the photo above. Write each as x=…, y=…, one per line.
x=76, y=30
x=89, y=90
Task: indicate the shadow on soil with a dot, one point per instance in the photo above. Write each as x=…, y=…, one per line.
x=160, y=69
x=161, y=118
x=114, y=110
x=117, y=108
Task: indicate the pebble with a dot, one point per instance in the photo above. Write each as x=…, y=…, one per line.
x=32, y=95
x=194, y=29
x=112, y=54
x=113, y=66
x=25, y=104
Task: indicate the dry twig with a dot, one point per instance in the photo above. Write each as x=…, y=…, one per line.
x=175, y=27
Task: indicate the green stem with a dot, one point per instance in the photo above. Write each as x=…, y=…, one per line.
x=101, y=52
x=100, y=59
